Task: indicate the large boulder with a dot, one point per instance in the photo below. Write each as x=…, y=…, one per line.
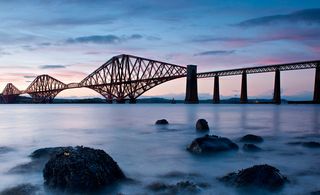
x=81, y=169
x=261, y=176
x=162, y=122
x=211, y=144
x=202, y=125
x=250, y=138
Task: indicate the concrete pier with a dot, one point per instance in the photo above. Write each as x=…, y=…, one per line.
x=192, y=85
x=316, y=95
x=277, y=88
x=216, y=91
x=244, y=91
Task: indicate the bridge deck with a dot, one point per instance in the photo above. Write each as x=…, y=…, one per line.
x=261, y=69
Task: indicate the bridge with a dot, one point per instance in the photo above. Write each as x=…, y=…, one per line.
x=126, y=77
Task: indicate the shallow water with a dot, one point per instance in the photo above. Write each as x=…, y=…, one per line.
x=148, y=153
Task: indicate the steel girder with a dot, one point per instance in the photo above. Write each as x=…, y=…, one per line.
x=44, y=88
x=261, y=69
x=127, y=77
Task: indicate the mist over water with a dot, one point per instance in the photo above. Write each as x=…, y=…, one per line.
x=149, y=153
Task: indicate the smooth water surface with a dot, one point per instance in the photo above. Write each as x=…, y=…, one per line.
x=147, y=153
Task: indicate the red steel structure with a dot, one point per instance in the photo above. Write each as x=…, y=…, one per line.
x=123, y=77
x=126, y=77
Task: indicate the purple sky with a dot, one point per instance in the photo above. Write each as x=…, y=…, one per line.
x=70, y=39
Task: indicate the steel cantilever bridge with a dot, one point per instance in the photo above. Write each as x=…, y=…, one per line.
x=126, y=77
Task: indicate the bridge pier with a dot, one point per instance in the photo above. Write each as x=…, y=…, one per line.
x=316, y=95
x=120, y=101
x=216, y=91
x=277, y=88
x=192, y=85
x=244, y=92
x=9, y=99
x=132, y=101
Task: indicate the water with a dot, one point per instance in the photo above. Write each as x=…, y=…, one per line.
x=147, y=153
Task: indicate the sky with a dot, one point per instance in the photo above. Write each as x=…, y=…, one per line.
x=70, y=39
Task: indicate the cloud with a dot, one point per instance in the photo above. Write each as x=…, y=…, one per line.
x=104, y=39
x=308, y=16
x=30, y=76
x=52, y=66
x=215, y=52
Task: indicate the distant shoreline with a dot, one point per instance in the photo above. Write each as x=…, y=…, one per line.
x=28, y=100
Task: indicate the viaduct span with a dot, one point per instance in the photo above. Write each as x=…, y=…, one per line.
x=126, y=77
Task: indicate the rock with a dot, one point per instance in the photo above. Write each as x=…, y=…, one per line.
x=182, y=187
x=251, y=148
x=311, y=144
x=38, y=159
x=81, y=169
x=202, y=125
x=211, y=144
x=5, y=149
x=22, y=189
x=162, y=122
x=315, y=193
x=261, y=176
x=47, y=152
x=251, y=139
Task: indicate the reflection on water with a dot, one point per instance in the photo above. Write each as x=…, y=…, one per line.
x=146, y=152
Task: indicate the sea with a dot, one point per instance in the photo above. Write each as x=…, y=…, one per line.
x=149, y=153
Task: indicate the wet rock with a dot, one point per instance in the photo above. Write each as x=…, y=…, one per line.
x=261, y=176
x=202, y=125
x=162, y=122
x=81, y=169
x=311, y=144
x=178, y=174
x=182, y=187
x=250, y=138
x=33, y=166
x=211, y=144
x=47, y=152
x=22, y=189
x=5, y=149
x=251, y=148
x=38, y=159
x=315, y=193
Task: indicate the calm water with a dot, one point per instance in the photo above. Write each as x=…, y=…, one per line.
x=146, y=152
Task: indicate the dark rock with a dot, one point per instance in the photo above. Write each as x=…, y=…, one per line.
x=251, y=139
x=38, y=159
x=178, y=174
x=33, y=166
x=315, y=193
x=261, y=176
x=251, y=148
x=162, y=122
x=178, y=188
x=5, y=149
x=202, y=125
x=311, y=144
x=211, y=144
x=22, y=189
x=47, y=152
x=81, y=169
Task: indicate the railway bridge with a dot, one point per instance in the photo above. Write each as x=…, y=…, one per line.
x=126, y=77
